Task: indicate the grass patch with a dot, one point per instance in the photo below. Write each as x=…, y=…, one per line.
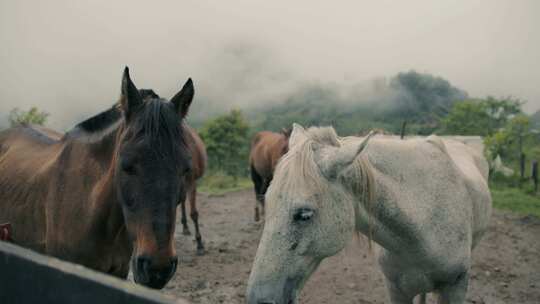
x=516, y=200
x=218, y=183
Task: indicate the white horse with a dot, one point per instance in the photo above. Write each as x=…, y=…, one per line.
x=424, y=201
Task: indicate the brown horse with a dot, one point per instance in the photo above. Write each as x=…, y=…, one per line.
x=266, y=150
x=105, y=190
x=198, y=166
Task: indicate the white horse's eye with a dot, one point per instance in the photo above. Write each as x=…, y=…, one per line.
x=303, y=214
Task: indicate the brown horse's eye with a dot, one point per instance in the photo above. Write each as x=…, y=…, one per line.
x=129, y=168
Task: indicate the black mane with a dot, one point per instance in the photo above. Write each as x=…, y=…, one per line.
x=101, y=121
x=157, y=120
x=108, y=117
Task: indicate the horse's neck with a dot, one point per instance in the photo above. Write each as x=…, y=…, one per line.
x=105, y=207
x=94, y=199
x=377, y=214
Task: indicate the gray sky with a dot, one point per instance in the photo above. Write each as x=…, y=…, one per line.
x=67, y=56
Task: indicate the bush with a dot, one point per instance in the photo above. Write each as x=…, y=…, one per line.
x=32, y=116
x=227, y=142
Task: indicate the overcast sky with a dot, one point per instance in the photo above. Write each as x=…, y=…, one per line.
x=67, y=56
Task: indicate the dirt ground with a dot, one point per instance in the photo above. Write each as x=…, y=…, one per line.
x=506, y=264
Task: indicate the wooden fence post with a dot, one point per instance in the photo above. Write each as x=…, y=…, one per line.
x=403, y=126
x=534, y=175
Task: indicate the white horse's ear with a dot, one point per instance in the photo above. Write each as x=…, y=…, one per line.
x=344, y=157
x=298, y=134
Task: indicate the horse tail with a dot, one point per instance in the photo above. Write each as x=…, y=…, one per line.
x=258, y=183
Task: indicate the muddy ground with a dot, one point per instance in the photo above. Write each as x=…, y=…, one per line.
x=506, y=264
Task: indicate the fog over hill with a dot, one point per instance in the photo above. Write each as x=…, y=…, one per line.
x=66, y=57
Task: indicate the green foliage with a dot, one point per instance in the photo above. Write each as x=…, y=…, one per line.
x=32, y=116
x=227, y=143
x=497, y=144
x=468, y=117
x=481, y=117
x=509, y=142
x=501, y=110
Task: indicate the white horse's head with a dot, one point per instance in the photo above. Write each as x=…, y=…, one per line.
x=311, y=212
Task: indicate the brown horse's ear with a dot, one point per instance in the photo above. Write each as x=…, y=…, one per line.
x=298, y=134
x=130, y=100
x=182, y=100
x=287, y=132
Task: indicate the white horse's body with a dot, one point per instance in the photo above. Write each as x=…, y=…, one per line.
x=432, y=205
x=429, y=207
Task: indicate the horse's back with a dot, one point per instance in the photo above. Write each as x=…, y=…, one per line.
x=25, y=155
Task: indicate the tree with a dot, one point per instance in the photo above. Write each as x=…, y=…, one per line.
x=482, y=117
x=500, y=111
x=468, y=117
x=32, y=116
x=508, y=142
x=226, y=140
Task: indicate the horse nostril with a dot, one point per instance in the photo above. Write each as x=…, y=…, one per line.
x=174, y=263
x=143, y=264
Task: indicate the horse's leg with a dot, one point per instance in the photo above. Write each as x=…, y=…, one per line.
x=265, y=186
x=185, y=228
x=195, y=218
x=396, y=295
x=455, y=293
x=257, y=184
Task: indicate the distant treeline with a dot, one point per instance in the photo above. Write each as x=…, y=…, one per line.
x=428, y=105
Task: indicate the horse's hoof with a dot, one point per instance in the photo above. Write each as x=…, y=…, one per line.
x=186, y=232
x=200, y=251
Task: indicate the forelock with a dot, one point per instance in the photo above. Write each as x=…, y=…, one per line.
x=297, y=172
x=158, y=123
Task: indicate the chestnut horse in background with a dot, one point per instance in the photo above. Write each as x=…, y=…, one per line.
x=266, y=150
x=106, y=190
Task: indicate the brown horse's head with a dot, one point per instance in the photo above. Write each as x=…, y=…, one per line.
x=152, y=161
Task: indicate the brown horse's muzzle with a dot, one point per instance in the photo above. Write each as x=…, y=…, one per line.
x=148, y=272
